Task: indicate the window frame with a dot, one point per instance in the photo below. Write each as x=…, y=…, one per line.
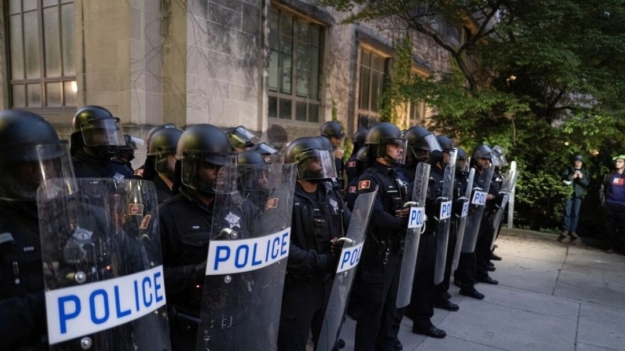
x=42, y=79
x=293, y=97
x=384, y=58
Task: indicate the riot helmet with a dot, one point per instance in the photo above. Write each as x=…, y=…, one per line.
x=127, y=152
x=461, y=160
x=359, y=138
x=421, y=142
x=162, y=148
x=253, y=171
x=240, y=138
x=481, y=156
x=159, y=127
x=96, y=129
x=445, y=142
x=30, y=154
x=332, y=129
x=313, y=160
x=207, y=165
x=384, y=141
x=265, y=150
x=499, y=157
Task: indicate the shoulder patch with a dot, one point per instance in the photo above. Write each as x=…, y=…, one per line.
x=135, y=209
x=351, y=164
x=364, y=184
x=353, y=190
x=271, y=203
x=145, y=222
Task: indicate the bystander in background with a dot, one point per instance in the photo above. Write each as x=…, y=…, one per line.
x=577, y=178
x=613, y=199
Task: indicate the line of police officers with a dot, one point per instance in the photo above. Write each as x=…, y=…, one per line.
x=185, y=167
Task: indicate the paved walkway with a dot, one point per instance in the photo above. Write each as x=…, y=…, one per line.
x=551, y=296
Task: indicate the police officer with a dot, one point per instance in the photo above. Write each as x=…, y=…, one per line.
x=189, y=220
x=377, y=279
x=253, y=177
x=420, y=143
x=320, y=217
x=465, y=275
x=28, y=146
x=266, y=150
x=352, y=187
x=354, y=166
x=96, y=135
x=125, y=154
x=149, y=173
x=442, y=296
x=333, y=131
x=162, y=153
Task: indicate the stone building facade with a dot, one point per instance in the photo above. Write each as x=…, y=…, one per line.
x=279, y=67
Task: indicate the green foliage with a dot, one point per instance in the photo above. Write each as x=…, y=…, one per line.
x=335, y=111
x=400, y=76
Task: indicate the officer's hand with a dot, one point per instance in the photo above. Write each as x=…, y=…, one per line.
x=200, y=270
x=338, y=153
x=336, y=246
x=403, y=213
x=490, y=197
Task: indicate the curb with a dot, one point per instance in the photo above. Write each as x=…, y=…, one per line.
x=581, y=242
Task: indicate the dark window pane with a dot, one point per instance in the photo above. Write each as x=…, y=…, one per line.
x=53, y=94
x=273, y=106
x=285, y=86
x=52, y=42
x=314, y=74
x=30, y=5
x=19, y=96
x=286, y=24
x=313, y=113
x=274, y=33
x=15, y=6
x=300, y=111
x=33, y=91
x=274, y=73
x=47, y=3
x=69, y=93
x=314, y=35
x=67, y=37
x=364, y=88
x=285, y=108
x=365, y=60
x=302, y=70
x=374, y=91
x=17, y=49
x=375, y=62
x=286, y=44
x=31, y=40
x=303, y=31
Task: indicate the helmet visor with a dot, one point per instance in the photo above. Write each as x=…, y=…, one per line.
x=265, y=149
x=394, y=150
x=209, y=173
x=254, y=178
x=500, y=155
x=29, y=166
x=241, y=138
x=165, y=161
x=315, y=164
x=103, y=132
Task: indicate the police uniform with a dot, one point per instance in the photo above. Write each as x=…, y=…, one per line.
x=163, y=192
x=351, y=168
x=317, y=219
x=187, y=225
x=22, y=302
x=486, y=233
x=86, y=166
x=377, y=279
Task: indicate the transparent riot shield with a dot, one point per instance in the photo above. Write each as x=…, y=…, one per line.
x=476, y=209
x=416, y=221
x=103, y=273
x=444, y=219
x=503, y=197
x=346, y=271
x=465, y=200
x=247, y=253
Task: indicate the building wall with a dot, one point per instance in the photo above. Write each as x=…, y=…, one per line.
x=205, y=61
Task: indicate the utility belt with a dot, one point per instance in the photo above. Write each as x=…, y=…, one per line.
x=187, y=324
x=382, y=246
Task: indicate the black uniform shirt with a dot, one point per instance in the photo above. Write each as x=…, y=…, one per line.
x=86, y=166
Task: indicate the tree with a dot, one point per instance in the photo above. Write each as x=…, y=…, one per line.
x=543, y=78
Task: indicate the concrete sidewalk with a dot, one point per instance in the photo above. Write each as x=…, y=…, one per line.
x=551, y=296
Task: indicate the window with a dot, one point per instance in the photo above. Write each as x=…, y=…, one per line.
x=41, y=51
x=417, y=113
x=371, y=81
x=295, y=51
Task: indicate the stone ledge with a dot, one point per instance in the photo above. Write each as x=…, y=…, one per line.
x=530, y=234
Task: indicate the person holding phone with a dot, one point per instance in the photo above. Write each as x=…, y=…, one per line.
x=577, y=178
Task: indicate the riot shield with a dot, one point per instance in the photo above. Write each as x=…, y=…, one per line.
x=246, y=263
x=103, y=273
x=444, y=219
x=476, y=209
x=346, y=271
x=463, y=220
x=502, y=199
x=416, y=221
